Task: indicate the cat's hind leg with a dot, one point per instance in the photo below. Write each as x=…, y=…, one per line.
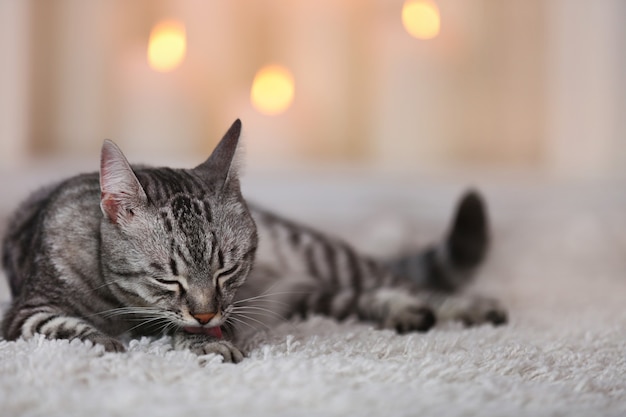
x=441, y=272
x=469, y=309
x=396, y=309
x=399, y=309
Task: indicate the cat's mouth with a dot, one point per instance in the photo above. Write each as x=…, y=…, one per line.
x=215, y=331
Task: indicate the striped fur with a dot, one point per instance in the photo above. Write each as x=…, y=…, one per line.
x=159, y=250
x=314, y=273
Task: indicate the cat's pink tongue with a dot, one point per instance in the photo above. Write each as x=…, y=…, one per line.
x=211, y=331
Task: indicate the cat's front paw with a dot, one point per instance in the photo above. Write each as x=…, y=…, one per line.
x=110, y=344
x=205, y=345
x=229, y=352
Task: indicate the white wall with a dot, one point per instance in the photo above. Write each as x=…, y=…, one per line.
x=523, y=84
x=14, y=78
x=586, y=74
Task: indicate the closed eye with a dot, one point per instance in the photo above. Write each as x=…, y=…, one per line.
x=170, y=282
x=223, y=276
x=227, y=272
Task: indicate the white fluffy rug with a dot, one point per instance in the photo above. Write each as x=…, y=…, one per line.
x=558, y=262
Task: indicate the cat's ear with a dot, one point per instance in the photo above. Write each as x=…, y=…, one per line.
x=221, y=165
x=121, y=192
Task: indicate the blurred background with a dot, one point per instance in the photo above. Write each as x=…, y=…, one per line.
x=365, y=118
x=428, y=87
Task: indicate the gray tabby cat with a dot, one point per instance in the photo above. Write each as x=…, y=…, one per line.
x=145, y=251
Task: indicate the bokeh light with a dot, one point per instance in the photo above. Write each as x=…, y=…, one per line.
x=421, y=18
x=167, y=45
x=272, y=90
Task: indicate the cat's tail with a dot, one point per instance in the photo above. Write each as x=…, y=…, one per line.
x=450, y=264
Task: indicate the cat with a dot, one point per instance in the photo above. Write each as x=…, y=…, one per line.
x=147, y=251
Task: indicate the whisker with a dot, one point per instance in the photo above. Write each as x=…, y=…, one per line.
x=268, y=302
x=259, y=311
x=268, y=318
x=228, y=326
x=266, y=293
x=167, y=326
x=270, y=288
x=237, y=325
x=161, y=326
x=109, y=283
x=122, y=313
x=231, y=320
x=253, y=307
x=152, y=320
x=173, y=326
x=265, y=296
x=245, y=316
x=126, y=310
x=252, y=322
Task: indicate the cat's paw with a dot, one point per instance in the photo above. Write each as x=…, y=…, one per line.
x=110, y=344
x=411, y=319
x=204, y=345
x=396, y=309
x=485, y=310
x=405, y=313
x=473, y=311
x=229, y=352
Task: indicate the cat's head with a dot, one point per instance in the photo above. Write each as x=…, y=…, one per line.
x=176, y=244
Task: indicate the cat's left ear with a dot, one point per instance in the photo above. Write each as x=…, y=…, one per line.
x=221, y=165
x=121, y=192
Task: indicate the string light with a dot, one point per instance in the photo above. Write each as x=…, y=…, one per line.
x=272, y=90
x=421, y=18
x=167, y=45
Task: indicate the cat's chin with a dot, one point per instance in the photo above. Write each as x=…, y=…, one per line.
x=210, y=331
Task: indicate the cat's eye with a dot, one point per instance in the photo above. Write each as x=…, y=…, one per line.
x=170, y=282
x=223, y=276
x=227, y=272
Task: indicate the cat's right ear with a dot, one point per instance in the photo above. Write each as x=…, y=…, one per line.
x=222, y=165
x=121, y=192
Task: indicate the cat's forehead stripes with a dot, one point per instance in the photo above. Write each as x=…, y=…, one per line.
x=183, y=206
x=162, y=184
x=192, y=240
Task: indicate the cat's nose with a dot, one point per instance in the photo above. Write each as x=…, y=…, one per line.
x=203, y=318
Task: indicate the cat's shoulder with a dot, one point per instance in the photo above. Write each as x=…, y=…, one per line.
x=76, y=185
x=70, y=191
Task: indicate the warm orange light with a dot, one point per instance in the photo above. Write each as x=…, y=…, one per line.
x=272, y=90
x=167, y=45
x=421, y=18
